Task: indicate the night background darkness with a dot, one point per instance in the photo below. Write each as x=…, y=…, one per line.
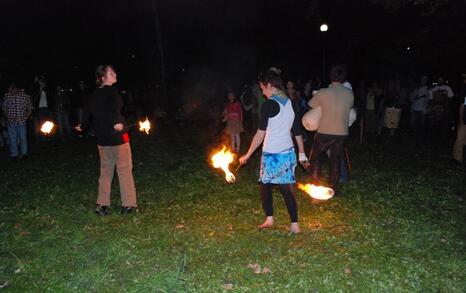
x=66, y=39
x=397, y=224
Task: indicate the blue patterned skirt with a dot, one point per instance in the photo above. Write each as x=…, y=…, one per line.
x=278, y=168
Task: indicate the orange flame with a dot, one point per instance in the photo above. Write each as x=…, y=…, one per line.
x=317, y=192
x=47, y=127
x=144, y=126
x=222, y=160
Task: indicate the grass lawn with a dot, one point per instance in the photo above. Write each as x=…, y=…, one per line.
x=398, y=226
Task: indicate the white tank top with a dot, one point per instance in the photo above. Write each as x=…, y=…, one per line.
x=278, y=132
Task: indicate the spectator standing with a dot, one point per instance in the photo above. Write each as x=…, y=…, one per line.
x=62, y=105
x=419, y=98
x=461, y=129
x=17, y=106
x=442, y=97
x=42, y=107
x=336, y=102
x=233, y=114
x=79, y=100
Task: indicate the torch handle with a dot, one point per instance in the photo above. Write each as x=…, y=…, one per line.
x=239, y=166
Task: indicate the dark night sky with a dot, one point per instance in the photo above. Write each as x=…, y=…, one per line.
x=67, y=38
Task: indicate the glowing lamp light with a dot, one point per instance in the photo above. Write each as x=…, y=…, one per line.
x=324, y=27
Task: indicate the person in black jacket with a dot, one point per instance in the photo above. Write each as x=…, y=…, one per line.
x=103, y=116
x=460, y=141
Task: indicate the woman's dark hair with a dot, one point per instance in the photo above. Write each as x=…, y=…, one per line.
x=272, y=76
x=233, y=94
x=338, y=74
x=100, y=72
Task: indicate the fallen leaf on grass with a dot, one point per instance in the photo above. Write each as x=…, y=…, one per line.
x=257, y=269
x=4, y=285
x=347, y=271
x=180, y=226
x=266, y=271
x=228, y=286
x=230, y=227
x=314, y=226
x=25, y=233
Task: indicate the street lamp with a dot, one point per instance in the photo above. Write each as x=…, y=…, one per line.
x=323, y=29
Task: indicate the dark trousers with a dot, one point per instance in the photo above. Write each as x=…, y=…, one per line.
x=288, y=195
x=322, y=143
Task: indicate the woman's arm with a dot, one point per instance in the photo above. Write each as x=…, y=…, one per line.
x=300, y=143
x=255, y=143
x=301, y=153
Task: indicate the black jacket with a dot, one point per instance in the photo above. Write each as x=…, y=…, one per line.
x=101, y=113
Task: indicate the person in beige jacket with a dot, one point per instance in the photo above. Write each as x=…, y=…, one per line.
x=336, y=102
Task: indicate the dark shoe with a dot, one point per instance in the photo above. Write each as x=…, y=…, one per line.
x=14, y=159
x=101, y=210
x=24, y=157
x=126, y=210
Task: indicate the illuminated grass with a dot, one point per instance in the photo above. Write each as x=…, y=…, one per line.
x=399, y=226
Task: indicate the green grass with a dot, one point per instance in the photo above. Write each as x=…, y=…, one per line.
x=399, y=225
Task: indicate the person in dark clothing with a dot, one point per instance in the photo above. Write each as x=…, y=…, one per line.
x=103, y=115
x=79, y=100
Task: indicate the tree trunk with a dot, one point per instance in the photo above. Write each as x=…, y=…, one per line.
x=159, y=44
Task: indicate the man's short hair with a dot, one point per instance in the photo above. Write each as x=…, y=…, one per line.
x=338, y=74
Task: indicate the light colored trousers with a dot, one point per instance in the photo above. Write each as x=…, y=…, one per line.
x=119, y=157
x=459, y=143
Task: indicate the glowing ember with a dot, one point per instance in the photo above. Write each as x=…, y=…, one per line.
x=222, y=160
x=47, y=127
x=317, y=192
x=144, y=126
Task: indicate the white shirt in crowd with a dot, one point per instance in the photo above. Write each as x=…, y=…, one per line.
x=419, y=98
x=43, y=100
x=348, y=85
x=443, y=87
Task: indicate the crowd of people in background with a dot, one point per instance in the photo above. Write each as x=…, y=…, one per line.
x=429, y=108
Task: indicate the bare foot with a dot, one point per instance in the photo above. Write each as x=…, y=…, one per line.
x=294, y=228
x=268, y=223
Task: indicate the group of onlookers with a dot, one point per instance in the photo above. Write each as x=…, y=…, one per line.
x=25, y=109
x=429, y=109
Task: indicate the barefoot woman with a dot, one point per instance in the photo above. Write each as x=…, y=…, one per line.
x=277, y=121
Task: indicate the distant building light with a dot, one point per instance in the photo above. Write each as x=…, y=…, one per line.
x=324, y=27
